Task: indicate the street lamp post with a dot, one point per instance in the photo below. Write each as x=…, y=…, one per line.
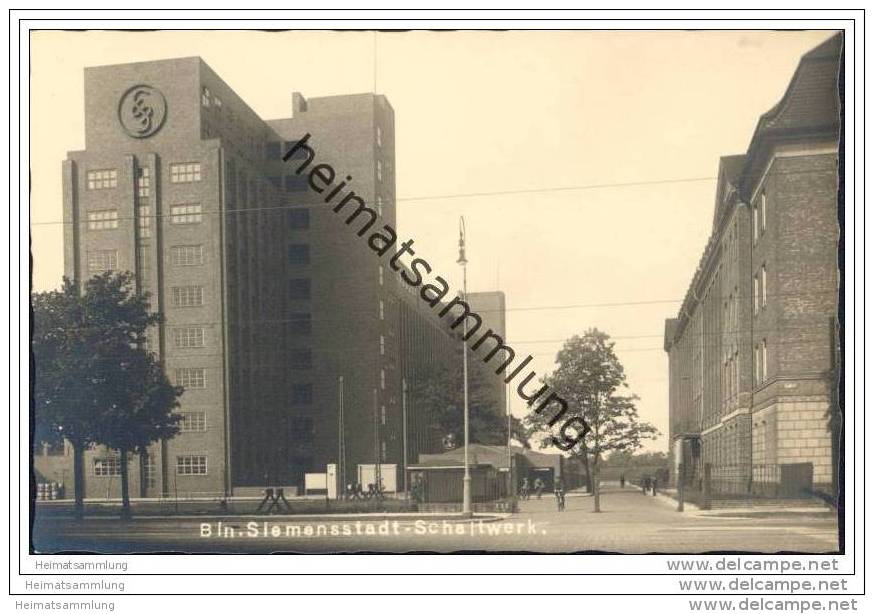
x=466, y=499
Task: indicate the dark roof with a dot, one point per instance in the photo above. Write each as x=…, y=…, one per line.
x=810, y=106
x=811, y=98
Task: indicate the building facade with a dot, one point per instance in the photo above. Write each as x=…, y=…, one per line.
x=292, y=340
x=752, y=351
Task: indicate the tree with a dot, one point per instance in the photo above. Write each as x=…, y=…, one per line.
x=442, y=392
x=63, y=388
x=589, y=377
x=86, y=349
x=141, y=409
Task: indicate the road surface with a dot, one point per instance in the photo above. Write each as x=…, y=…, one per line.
x=630, y=522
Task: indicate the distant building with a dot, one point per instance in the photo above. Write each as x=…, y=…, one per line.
x=752, y=349
x=526, y=464
x=273, y=307
x=493, y=309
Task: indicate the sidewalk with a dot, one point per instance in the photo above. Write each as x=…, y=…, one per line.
x=768, y=508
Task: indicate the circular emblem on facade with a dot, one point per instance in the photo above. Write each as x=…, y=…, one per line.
x=141, y=111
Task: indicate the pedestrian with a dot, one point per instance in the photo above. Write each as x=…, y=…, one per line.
x=645, y=484
x=655, y=484
x=538, y=487
x=523, y=490
x=559, y=494
x=621, y=480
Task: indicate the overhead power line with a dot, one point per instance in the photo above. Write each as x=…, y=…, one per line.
x=594, y=186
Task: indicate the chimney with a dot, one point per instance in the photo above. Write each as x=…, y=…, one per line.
x=298, y=103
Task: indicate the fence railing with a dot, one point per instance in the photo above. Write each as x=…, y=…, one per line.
x=745, y=481
x=751, y=481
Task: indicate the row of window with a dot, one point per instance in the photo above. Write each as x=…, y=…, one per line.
x=107, y=219
x=189, y=464
x=194, y=378
x=180, y=255
x=103, y=179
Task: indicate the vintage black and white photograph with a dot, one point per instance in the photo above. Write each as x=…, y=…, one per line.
x=461, y=291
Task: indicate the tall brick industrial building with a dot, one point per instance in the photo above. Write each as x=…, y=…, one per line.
x=751, y=352
x=273, y=308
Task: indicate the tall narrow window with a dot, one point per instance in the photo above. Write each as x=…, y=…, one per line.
x=764, y=359
x=144, y=221
x=381, y=345
x=764, y=207
x=144, y=181
x=382, y=379
x=143, y=267
x=381, y=310
x=379, y=170
x=764, y=285
x=756, y=361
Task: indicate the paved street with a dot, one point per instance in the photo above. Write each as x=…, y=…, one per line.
x=630, y=522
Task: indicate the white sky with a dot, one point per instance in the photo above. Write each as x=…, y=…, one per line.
x=484, y=112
